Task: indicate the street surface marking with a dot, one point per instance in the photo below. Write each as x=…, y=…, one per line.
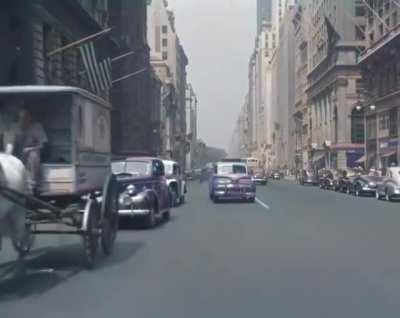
x=264, y=205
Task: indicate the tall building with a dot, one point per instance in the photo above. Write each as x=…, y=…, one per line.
x=301, y=112
x=334, y=83
x=264, y=13
x=282, y=95
x=380, y=64
x=168, y=53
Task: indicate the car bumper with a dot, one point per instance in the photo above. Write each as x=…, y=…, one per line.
x=234, y=194
x=260, y=180
x=368, y=190
x=133, y=212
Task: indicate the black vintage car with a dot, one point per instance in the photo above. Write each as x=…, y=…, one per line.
x=144, y=193
x=327, y=180
x=276, y=175
x=308, y=177
x=366, y=184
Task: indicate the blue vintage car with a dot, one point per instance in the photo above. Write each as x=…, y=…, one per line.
x=144, y=193
x=231, y=181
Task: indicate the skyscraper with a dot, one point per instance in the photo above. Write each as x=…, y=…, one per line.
x=264, y=12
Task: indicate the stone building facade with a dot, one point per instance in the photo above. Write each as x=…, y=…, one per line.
x=380, y=64
x=334, y=83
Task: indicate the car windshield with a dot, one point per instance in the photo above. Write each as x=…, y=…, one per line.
x=141, y=168
x=232, y=169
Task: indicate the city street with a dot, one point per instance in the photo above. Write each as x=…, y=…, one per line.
x=297, y=252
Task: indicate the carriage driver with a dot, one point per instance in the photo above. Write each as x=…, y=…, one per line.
x=30, y=140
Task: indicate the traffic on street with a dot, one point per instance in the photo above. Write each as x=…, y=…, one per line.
x=297, y=251
x=185, y=158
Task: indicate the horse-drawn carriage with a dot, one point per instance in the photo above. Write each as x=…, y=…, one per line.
x=77, y=193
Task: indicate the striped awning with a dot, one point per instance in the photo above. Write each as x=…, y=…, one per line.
x=362, y=159
x=318, y=157
x=388, y=154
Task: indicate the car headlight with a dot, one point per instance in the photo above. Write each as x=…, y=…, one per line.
x=372, y=184
x=125, y=200
x=131, y=189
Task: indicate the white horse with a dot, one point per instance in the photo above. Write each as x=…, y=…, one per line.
x=12, y=216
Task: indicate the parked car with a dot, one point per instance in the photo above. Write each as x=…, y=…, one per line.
x=144, y=193
x=326, y=179
x=276, y=175
x=259, y=176
x=231, y=180
x=308, y=177
x=175, y=181
x=390, y=187
x=345, y=180
x=366, y=184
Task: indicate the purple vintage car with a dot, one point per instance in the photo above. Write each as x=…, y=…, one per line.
x=144, y=191
x=231, y=180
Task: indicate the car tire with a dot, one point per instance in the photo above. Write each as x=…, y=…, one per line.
x=150, y=219
x=167, y=216
x=215, y=199
x=252, y=200
x=182, y=200
x=174, y=197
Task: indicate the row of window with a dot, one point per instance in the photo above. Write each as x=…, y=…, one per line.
x=385, y=124
x=385, y=81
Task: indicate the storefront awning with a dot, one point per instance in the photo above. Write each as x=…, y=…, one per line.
x=388, y=154
x=362, y=159
x=318, y=157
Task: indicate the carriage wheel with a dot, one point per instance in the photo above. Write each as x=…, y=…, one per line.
x=109, y=212
x=91, y=235
x=24, y=245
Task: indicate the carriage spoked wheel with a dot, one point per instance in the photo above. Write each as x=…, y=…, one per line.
x=23, y=245
x=91, y=234
x=109, y=212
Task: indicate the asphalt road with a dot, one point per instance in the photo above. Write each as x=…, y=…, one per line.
x=299, y=252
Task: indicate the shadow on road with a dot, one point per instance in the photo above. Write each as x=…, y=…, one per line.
x=50, y=267
x=127, y=224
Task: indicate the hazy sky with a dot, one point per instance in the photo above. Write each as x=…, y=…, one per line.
x=218, y=37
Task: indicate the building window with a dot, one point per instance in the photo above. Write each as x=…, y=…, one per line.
x=393, y=123
x=165, y=55
x=372, y=37
x=164, y=42
x=383, y=121
x=381, y=29
x=360, y=11
x=394, y=19
x=164, y=29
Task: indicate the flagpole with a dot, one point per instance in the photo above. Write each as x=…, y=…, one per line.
x=114, y=59
x=78, y=42
x=129, y=75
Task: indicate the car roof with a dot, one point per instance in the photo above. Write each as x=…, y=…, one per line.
x=37, y=90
